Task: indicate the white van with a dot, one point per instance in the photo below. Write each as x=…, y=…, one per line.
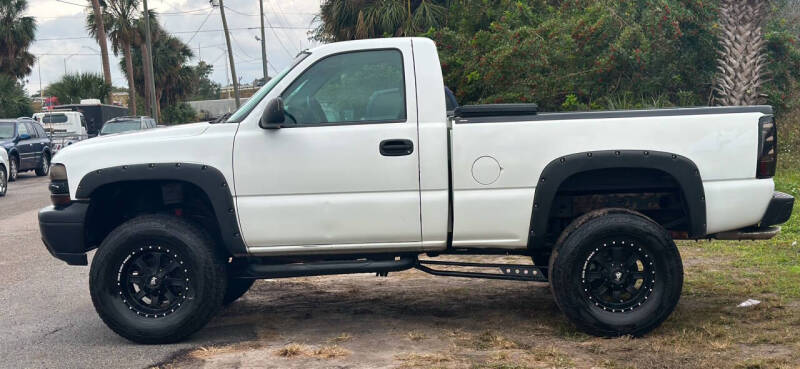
x=64, y=127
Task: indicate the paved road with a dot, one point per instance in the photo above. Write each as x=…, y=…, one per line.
x=46, y=315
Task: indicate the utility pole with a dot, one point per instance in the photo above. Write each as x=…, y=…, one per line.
x=230, y=52
x=263, y=42
x=41, y=90
x=149, y=63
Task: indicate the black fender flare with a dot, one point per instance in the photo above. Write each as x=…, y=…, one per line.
x=557, y=171
x=207, y=178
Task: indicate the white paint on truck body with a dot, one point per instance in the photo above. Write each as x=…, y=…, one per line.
x=327, y=189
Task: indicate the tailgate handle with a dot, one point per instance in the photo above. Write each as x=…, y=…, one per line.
x=396, y=147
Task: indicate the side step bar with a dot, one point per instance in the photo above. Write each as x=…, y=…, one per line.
x=268, y=271
x=514, y=272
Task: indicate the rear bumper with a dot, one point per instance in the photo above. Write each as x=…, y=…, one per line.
x=63, y=233
x=778, y=211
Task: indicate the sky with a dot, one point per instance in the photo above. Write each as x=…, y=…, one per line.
x=63, y=43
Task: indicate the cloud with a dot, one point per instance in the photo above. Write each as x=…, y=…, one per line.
x=290, y=19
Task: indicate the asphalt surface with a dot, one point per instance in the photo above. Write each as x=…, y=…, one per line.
x=46, y=315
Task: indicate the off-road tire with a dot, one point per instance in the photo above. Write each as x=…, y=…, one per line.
x=13, y=170
x=44, y=168
x=585, y=238
x=237, y=287
x=3, y=181
x=203, y=267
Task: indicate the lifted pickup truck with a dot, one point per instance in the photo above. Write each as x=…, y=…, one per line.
x=346, y=162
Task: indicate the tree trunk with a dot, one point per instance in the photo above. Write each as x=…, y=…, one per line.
x=742, y=62
x=145, y=71
x=230, y=53
x=129, y=72
x=158, y=102
x=101, y=39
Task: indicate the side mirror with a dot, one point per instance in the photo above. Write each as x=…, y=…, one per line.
x=273, y=116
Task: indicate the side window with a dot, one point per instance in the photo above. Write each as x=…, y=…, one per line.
x=32, y=130
x=39, y=129
x=22, y=129
x=357, y=87
x=83, y=121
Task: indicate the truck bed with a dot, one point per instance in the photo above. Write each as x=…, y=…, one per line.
x=499, y=113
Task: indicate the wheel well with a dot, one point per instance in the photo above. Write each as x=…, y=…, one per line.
x=115, y=203
x=652, y=192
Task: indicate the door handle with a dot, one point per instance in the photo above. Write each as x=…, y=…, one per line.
x=396, y=147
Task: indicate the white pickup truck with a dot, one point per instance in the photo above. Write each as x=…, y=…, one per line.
x=346, y=162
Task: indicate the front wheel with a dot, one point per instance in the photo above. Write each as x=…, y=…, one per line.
x=615, y=272
x=236, y=288
x=156, y=279
x=3, y=181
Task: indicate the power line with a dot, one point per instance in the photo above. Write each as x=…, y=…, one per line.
x=201, y=25
x=70, y=3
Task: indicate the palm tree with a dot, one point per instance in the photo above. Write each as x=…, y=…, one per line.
x=119, y=18
x=99, y=33
x=14, y=102
x=742, y=61
x=74, y=87
x=17, y=32
x=341, y=20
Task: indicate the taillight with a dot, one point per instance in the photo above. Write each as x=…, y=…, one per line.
x=767, y=147
x=59, y=187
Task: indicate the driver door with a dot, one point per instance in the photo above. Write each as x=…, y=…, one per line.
x=343, y=171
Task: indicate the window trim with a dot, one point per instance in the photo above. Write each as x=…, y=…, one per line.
x=355, y=122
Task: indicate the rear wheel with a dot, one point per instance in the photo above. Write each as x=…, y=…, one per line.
x=44, y=167
x=615, y=272
x=13, y=167
x=3, y=181
x=156, y=279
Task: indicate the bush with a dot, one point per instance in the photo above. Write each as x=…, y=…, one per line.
x=178, y=114
x=14, y=102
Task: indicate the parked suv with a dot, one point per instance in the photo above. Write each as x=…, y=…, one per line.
x=27, y=145
x=127, y=124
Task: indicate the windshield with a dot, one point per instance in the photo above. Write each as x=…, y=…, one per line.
x=6, y=130
x=120, y=126
x=245, y=109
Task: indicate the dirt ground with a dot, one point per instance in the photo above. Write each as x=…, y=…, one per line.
x=414, y=320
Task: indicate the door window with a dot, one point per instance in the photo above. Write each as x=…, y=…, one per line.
x=22, y=129
x=32, y=130
x=357, y=87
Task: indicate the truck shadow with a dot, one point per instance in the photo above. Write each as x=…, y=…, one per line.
x=316, y=309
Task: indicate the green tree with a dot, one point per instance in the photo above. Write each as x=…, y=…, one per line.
x=173, y=78
x=596, y=53
x=178, y=113
x=13, y=100
x=17, y=32
x=119, y=18
x=203, y=87
x=341, y=20
x=99, y=33
x=71, y=88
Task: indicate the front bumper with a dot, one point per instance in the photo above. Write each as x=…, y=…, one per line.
x=63, y=233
